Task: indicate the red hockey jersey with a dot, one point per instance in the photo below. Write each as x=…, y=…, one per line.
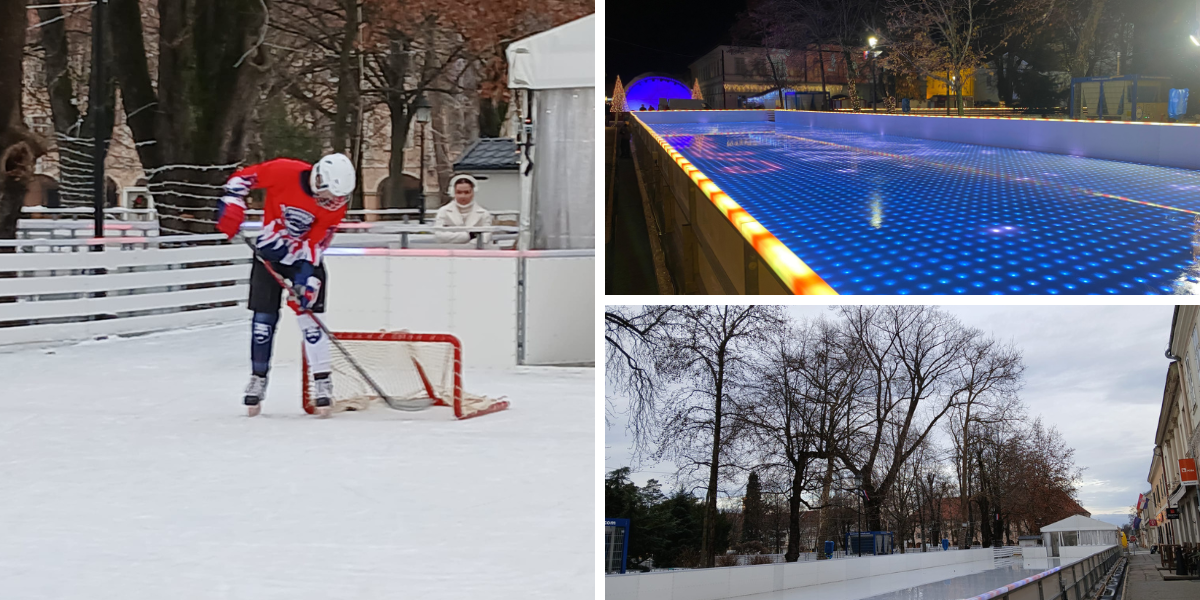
x=293, y=221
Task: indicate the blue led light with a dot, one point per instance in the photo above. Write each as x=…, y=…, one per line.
x=872, y=213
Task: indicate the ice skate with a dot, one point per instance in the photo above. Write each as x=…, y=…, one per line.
x=324, y=394
x=255, y=390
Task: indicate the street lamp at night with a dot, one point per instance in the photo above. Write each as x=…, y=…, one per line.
x=874, y=41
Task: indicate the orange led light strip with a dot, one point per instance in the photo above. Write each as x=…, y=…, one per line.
x=796, y=276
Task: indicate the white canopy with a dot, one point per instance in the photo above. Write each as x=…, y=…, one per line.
x=1079, y=523
x=563, y=57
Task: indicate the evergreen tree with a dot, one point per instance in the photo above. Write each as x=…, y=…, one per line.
x=618, y=98
x=752, y=511
x=696, y=95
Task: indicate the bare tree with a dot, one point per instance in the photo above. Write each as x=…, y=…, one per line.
x=698, y=355
x=801, y=393
x=947, y=40
x=917, y=358
x=19, y=148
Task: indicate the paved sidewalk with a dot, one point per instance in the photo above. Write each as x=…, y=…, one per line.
x=1145, y=582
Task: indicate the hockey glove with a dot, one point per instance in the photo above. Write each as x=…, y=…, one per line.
x=230, y=215
x=305, y=287
x=232, y=210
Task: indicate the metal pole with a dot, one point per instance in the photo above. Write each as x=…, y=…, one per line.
x=421, y=208
x=860, y=506
x=95, y=104
x=874, y=85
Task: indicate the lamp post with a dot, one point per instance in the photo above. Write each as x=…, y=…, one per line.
x=422, y=118
x=858, y=534
x=874, y=79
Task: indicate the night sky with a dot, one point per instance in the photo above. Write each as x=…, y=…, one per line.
x=662, y=35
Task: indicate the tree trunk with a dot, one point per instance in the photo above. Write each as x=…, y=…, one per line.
x=59, y=86
x=1079, y=62
x=400, y=123
x=709, y=539
x=19, y=149
x=347, y=90
x=821, y=61
x=822, y=520
x=793, y=547
x=207, y=85
x=985, y=531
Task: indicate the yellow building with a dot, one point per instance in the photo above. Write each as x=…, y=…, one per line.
x=937, y=87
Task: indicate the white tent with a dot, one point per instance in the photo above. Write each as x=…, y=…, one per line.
x=554, y=76
x=563, y=57
x=1078, y=535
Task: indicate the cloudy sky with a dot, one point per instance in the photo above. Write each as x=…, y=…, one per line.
x=1094, y=372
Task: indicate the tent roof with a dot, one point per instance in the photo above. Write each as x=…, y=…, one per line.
x=1079, y=523
x=563, y=57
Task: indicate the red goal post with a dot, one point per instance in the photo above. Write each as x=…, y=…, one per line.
x=405, y=365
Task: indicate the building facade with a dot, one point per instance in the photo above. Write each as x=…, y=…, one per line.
x=729, y=75
x=1177, y=438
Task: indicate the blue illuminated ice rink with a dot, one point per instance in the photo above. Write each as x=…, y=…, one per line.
x=875, y=214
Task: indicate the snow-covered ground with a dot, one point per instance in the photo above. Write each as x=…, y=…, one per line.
x=129, y=471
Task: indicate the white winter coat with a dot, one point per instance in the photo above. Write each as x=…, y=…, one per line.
x=450, y=216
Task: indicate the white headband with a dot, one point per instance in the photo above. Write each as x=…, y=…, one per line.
x=463, y=177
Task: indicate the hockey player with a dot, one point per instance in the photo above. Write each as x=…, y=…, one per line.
x=304, y=205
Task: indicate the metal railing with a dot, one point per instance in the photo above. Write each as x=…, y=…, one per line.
x=1073, y=581
x=75, y=213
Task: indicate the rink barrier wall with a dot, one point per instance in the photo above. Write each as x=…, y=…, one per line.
x=1160, y=144
x=732, y=582
x=1071, y=581
x=55, y=296
x=712, y=245
x=508, y=308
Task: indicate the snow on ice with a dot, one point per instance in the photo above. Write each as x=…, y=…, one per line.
x=129, y=471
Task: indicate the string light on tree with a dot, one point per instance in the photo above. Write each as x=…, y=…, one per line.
x=618, y=98
x=696, y=95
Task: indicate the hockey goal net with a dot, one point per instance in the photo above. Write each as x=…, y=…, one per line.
x=405, y=366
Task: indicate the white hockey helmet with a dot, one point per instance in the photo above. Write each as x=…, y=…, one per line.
x=334, y=173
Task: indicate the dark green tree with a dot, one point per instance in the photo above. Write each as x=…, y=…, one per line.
x=752, y=511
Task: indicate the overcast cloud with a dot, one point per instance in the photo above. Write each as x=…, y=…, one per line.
x=1094, y=372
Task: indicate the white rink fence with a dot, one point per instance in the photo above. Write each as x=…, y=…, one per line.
x=84, y=290
x=507, y=307
x=731, y=582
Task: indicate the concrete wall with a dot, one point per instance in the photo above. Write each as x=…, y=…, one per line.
x=731, y=582
x=1163, y=144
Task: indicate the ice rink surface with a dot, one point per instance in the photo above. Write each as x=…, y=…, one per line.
x=129, y=471
x=883, y=214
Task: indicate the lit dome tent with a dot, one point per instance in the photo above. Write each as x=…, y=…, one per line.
x=648, y=88
x=1078, y=536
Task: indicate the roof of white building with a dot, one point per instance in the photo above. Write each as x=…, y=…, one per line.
x=563, y=57
x=1079, y=523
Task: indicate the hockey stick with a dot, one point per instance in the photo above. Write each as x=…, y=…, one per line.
x=406, y=405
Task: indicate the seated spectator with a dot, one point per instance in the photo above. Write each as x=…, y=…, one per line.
x=462, y=212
